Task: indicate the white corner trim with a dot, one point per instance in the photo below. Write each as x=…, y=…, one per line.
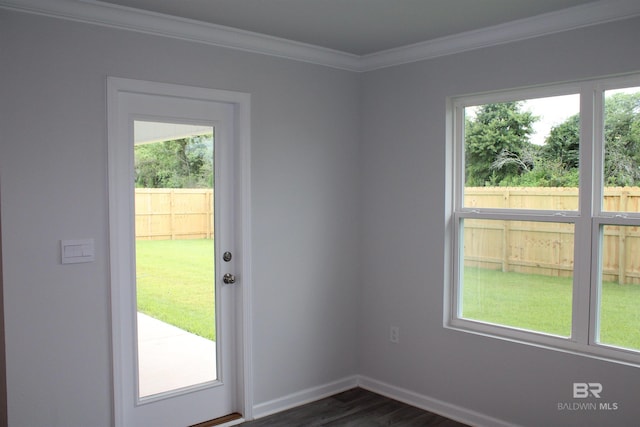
x=454, y=412
x=304, y=396
x=572, y=18
x=115, y=16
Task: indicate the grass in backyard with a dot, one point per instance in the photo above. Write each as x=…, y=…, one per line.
x=620, y=319
x=543, y=303
x=527, y=301
x=175, y=283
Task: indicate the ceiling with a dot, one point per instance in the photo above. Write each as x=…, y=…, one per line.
x=358, y=27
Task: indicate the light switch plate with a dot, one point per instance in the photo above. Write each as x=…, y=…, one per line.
x=75, y=251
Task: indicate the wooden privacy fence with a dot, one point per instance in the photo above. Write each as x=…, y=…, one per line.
x=171, y=214
x=547, y=247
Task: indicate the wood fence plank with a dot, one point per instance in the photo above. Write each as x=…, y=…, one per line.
x=170, y=214
x=547, y=248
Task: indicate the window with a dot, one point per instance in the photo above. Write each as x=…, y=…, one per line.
x=546, y=216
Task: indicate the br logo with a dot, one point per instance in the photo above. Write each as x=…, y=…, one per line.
x=584, y=390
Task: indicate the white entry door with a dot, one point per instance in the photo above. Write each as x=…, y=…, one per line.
x=176, y=254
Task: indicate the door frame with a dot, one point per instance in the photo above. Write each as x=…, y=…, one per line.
x=4, y=420
x=242, y=201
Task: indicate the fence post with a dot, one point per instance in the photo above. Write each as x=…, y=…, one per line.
x=622, y=238
x=172, y=214
x=506, y=233
x=208, y=210
x=149, y=211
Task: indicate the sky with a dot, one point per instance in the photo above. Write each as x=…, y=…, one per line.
x=551, y=112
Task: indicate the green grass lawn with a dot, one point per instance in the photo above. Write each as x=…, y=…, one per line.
x=543, y=303
x=175, y=283
x=620, y=320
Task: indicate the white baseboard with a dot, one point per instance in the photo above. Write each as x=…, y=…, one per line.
x=427, y=403
x=302, y=397
x=430, y=404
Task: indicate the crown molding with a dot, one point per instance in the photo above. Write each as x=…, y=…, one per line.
x=121, y=17
x=115, y=16
x=589, y=14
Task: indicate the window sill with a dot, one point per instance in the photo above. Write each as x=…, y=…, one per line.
x=546, y=341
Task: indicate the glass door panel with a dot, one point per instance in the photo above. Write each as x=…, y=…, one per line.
x=175, y=257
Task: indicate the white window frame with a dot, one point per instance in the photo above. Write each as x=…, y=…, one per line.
x=587, y=220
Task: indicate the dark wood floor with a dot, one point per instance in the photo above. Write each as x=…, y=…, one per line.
x=356, y=407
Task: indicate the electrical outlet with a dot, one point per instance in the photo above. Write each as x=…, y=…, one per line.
x=394, y=334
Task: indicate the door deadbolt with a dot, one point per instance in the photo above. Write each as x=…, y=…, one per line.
x=229, y=278
x=226, y=257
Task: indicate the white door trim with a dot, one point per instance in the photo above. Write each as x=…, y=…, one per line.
x=242, y=158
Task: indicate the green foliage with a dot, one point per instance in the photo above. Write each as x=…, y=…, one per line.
x=498, y=129
x=562, y=146
x=498, y=151
x=181, y=163
x=548, y=173
x=622, y=139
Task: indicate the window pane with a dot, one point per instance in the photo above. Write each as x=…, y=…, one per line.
x=513, y=149
x=622, y=150
x=620, y=287
x=518, y=274
x=175, y=259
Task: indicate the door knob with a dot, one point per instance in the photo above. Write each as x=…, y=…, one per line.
x=229, y=278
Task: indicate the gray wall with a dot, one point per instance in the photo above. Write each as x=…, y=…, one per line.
x=403, y=211
x=348, y=219
x=53, y=161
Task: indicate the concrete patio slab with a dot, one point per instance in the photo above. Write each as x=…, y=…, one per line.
x=171, y=358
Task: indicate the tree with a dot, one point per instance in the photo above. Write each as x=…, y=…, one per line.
x=621, y=137
x=498, y=130
x=181, y=163
x=563, y=144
